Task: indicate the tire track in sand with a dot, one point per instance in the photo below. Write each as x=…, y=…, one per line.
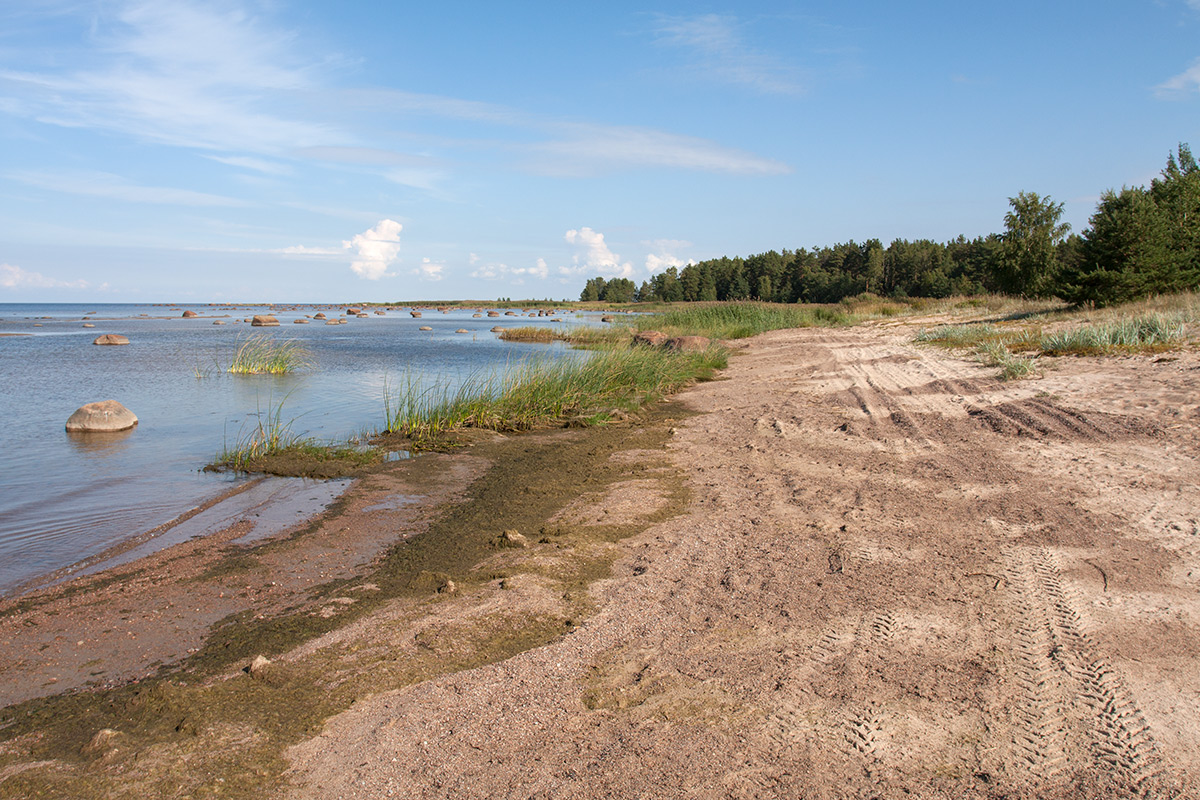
x=1066, y=686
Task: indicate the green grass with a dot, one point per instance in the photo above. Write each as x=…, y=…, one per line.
x=273, y=448
x=738, y=320
x=262, y=354
x=580, y=390
x=977, y=335
x=585, y=336
x=1012, y=367
x=1145, y=333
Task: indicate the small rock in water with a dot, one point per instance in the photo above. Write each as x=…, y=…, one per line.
x=111, y=338
x=106, y=416
x=424, y=328
x=189, y=314
x=462, y=330
x=263, y=321
x=88, y=325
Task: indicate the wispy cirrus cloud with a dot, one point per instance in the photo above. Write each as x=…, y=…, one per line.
x=202, y=75
x=218, y=77
x=105, y=184
x=588, y=149
x=716, y=48
x=1186, y=82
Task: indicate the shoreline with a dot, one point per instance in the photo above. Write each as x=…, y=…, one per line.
x=847, y=539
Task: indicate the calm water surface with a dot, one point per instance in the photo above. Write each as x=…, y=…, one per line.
x=64, y=498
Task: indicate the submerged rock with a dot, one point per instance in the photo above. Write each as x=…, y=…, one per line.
x=111, y=338
x=105, y=416
x=424, y=328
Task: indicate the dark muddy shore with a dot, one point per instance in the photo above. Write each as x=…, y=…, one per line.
x=154, y=650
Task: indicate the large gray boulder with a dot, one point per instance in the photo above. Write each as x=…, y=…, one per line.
x=104, y=417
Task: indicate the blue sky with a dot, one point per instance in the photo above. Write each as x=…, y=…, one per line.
x=285, y=151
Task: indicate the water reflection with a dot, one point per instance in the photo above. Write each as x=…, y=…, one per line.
x=99, y=443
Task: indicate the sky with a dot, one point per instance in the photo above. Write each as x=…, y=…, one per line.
x=303, y=151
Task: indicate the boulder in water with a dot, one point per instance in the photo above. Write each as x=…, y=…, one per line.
x=105, y=416
x=111, y=338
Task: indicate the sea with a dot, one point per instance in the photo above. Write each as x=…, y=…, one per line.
x=66, y=499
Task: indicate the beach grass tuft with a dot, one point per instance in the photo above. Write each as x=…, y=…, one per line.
x=261, y=354
x=1144, y=333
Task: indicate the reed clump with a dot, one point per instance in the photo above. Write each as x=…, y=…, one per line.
x=260, y=354
x=585, y=336
x=272, y=447
x=581, y=389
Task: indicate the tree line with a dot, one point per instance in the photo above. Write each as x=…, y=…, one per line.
x=1140, y=241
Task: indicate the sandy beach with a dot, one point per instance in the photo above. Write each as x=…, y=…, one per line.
x=851, y=567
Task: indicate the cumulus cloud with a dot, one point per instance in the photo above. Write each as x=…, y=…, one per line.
x=663, y=252
x=13, y=277
x=593, y=256
x=430, y=270
x=375, y=249
x=499, y=271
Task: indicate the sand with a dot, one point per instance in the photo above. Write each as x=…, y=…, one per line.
x=897, y=578
x=891, y=576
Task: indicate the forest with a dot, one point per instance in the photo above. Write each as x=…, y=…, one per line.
x=1140, y=241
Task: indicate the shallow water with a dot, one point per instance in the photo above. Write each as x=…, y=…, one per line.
x=67, y=497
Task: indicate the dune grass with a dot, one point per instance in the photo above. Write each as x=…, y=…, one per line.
x=261, y=354
x=585, y=389
x=1145, y=333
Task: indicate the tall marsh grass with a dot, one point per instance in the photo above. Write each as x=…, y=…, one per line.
x=261, y=354
x=582, y=389
x=739, y=320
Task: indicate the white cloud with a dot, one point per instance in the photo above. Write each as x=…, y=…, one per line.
x=104, y=184
x=430, y=270
x=13, y=277
x=257, y=164
x=662, y=254
x=496, y=271
x=1185, y=82
x=716, y=49
x=304, y=250
x=591, y=148
x=593, y=256
x=375, y=249
x=183, y=73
